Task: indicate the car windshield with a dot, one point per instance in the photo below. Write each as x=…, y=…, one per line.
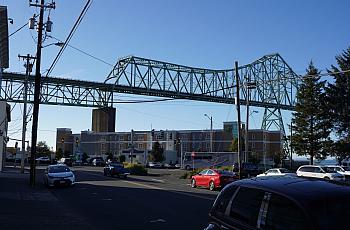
x=339, y=169
x=346, y=168
x=284, y=171
x=58, y=169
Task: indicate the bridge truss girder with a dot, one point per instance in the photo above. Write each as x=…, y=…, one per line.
x=276, y=83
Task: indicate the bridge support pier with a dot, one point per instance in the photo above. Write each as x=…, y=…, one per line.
x=103, y=120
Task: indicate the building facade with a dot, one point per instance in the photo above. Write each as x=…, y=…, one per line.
x=136, y=145
x=5, y=117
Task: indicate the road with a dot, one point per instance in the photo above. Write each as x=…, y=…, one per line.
x=159, y=201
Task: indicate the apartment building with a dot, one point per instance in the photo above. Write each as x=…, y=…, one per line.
x=136, y=145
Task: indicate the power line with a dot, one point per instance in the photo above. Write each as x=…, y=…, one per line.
x=90, y=55
x=77, y=23
x=35, y=16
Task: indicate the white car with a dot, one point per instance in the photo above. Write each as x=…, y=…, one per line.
x=319, y=172
x=277, y=172
x=58, y=175
x=340, y=169
x=43, y=160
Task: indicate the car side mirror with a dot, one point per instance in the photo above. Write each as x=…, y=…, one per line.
x=212, y=226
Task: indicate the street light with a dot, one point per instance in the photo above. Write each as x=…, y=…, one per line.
x=211, y=131
x=248, y=86
x=60, y=44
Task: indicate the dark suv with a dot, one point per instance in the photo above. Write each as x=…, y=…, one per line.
x=281, y=203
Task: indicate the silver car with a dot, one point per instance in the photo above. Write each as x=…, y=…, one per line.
x=58, y=175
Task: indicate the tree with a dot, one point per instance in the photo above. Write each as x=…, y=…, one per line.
x=234, y=145
x=278, y=158
x=59, y=154
x=310, y=121
x=67, y=153
x=157, y=153
x=84, y=157
x=42, y=149
x=122, y=158
x=110, y=156
x=253, y=158
x=339, y=105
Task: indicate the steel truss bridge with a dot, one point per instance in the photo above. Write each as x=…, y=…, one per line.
x=276, y=86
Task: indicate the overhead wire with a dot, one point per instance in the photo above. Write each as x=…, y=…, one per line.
x=77, y=23
x=86, y=53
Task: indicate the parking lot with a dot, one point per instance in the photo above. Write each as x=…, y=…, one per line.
x=158, y=201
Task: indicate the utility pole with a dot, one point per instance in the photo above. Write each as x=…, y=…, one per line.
x=246, y=144
x=238, y=120
x=211, y=131
x=29, y=67
x=132, y=146
x=37, y=85
x=249, y=86
x=291, y=147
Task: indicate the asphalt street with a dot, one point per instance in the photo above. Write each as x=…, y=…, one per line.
x=158, y=201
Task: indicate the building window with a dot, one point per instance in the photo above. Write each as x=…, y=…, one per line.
x=140, y=146
x=253, y=145
x=121, y=138
x=103, y=147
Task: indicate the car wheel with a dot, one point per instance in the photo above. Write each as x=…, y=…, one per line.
x=193, y=183
x=211, y=185
x=104, y=173
x=187, y=167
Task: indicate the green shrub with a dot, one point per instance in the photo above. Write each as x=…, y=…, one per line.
x=189, y=174
x=226, y=168
x=136, y=169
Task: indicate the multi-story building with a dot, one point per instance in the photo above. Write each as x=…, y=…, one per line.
x=5, y=117
x=136, y=145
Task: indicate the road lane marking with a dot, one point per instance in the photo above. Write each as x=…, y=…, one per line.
x=144, y=185
x=161, y=181
x=157, y=221
x=150, y=187
x=172, y=191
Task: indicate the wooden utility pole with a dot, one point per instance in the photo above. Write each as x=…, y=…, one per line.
x=238, y=119
x=29, y=67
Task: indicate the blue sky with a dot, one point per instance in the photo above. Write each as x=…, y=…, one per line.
x=199, y=33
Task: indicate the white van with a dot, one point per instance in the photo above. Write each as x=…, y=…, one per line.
x=319, y=172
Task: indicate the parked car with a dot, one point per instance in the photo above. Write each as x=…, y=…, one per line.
x=97, y=161
x=155, y=165
x=66, y=161
x=248, y=169
x=43, y=160
x=281, y=202
x=277, y=172
x=319, y=172
x=78, y=162
x=58, y=175
x=116, y=169
x=343, y=170
x=212, y=178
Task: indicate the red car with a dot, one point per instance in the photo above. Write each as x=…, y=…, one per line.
x=213, y=178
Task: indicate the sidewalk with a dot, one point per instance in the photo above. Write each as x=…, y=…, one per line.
x=23, y=207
